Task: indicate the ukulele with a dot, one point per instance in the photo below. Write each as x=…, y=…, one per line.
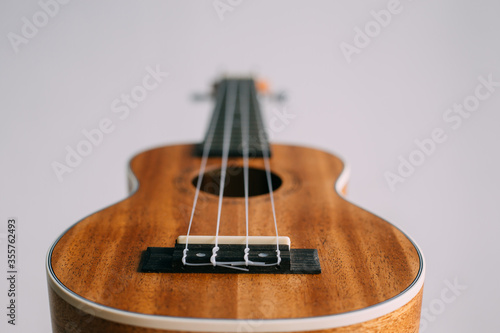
x=235, y=235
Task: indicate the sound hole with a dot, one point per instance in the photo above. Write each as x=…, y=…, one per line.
x=234, y=184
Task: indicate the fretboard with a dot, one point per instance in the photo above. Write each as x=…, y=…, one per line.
x=245, y=92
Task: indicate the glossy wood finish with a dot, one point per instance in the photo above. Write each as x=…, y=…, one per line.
x=68, y=319
x=364, y=259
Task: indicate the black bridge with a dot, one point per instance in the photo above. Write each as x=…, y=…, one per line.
x=169, y=259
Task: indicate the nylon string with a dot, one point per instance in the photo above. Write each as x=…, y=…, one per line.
x=245, y=99
x=228, y=126
x=265, y=155
x=245, y=138
x=206, y=151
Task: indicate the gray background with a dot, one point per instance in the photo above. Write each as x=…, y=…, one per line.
x=369, y=111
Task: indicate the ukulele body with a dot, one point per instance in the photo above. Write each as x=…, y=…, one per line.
x=371, y=276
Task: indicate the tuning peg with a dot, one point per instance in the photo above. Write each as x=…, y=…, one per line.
x=201, y=97
x=279, y=96
x=262, y=86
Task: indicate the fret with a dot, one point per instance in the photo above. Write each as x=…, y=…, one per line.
x=257, y=134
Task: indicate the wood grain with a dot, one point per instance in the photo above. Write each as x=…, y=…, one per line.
x=364, y=259
x=68, y=319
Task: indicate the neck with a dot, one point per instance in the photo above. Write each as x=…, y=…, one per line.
x=246, y=100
